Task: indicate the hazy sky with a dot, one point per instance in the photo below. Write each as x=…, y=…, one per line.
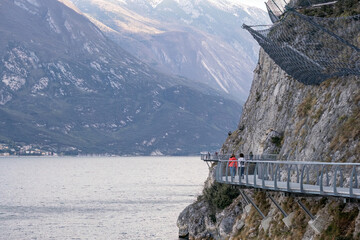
x=256, y=3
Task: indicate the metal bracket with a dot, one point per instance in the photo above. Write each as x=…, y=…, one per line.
x=207, y=164
x=305, y=209
x=244, y=197
x=254, y=205
x=277, y=205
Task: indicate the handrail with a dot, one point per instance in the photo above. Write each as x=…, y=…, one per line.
x=302, y=177
x=219, y=157
x=299, y=162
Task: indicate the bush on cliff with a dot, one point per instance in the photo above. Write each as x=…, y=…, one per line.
x=219, y=195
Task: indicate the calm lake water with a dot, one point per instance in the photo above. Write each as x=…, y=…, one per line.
x=96, y=197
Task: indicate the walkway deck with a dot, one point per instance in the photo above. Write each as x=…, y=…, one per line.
x=315, y=178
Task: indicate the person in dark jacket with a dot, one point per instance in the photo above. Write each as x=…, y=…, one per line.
x=241, y=164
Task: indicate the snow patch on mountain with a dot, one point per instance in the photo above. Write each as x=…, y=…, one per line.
x=14, y=82
x=157, y=152
x=188, y=7
x=69, y=28
x=42, y=84
x=96, y=66
x=230, y=5
x=154, y=3
x=25, y=6
x=4, y=97
x=213, y=74
x=52, y=23
x=150, y=142
x=34, y=2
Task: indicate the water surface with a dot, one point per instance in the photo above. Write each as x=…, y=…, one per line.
x=96, y=197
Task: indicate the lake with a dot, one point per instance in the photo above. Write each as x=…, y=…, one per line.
x=96, y=197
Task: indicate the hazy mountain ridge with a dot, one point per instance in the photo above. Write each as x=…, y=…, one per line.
x=65, y=86
x=201, y=40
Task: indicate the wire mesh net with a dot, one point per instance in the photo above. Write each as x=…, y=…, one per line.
x=312, y=49
x=276, y=8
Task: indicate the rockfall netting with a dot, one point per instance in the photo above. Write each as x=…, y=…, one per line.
x=276, y=8
x=312, y=49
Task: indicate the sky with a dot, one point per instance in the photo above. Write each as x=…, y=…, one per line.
x=256, y=3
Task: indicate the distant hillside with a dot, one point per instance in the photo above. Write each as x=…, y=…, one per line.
x=66, y=87
x=201, y=40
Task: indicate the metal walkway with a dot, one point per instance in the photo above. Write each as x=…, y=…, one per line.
x=314, y=178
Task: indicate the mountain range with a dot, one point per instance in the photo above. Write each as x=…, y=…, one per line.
x=201, y=40
x=67, y=87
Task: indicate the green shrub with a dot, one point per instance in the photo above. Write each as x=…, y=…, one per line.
x=277, y=141
x=219, y=195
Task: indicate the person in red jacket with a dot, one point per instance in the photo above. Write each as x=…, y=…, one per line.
x=233, y=165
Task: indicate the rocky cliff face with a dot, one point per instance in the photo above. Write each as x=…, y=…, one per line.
x=316, y=123
x=301, y=123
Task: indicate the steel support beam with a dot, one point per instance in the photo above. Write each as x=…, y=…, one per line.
x=305, y=210
x=254, y=205
x=277, y=205
x=244, y=197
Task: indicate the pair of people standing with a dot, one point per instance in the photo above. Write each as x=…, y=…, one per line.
x=235, y=163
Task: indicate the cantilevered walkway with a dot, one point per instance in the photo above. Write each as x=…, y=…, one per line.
x=305, y=178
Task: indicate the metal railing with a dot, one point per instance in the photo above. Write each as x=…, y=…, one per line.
x=216, y=157
x=319, y=178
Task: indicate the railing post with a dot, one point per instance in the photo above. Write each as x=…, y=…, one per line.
x=271, y=171
x=288, y=178
x=321, y=180
x=317, y=174
x=307, y=175
x=302, y=178
x=255, y=173
x=218, y=171
x=247, y=173
x=227, y=173
x=239, y=173
x=297, y=174
x=356, y=180
x=223, y=172
x=341, y=178
x=327, y=178
x=276, y=179
x=266, y=171
x=263, y=174
x=334, y=181
x=351, y=182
